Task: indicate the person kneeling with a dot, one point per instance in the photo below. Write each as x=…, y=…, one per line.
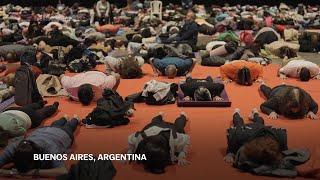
x=161, y=141
x=172, y=66
x=290, y=101
x=243, y=72
x=260, y=149
x=202, y=89
x=88, y=86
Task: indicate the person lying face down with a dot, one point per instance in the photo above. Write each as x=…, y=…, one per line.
x=54, y=139
x=260, y=149
x=243, y=72
x=172, y=66
x=88, y=86
x=289, y=101
x=162, y=142
x=15, y=121
x=127, y=67
x=202, y=89
x=301, y=69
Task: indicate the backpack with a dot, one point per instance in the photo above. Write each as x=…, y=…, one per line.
x=26, y=88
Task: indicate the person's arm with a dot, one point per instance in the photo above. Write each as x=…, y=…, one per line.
x=132, y=142
x=107, y=10
x=216, y=89
x=270, y=106
x=156, y=71
x=183, y=153
x=6, y=156
x=313, y=106
x=98, y=8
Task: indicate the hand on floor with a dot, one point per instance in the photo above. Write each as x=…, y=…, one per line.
x=311, y=115
x=283, y=77
x=226, y=81
x=229, y=158
x=183, y=162
x=259, y=81
x=218, y=98
x=273, y=115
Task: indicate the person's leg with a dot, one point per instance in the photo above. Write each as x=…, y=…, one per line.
x=71, y=126
x=237, y=119
x=158, y=118
x=155, y=70
x=35, y=106
x=60, y=122
x=256, y=117
x=43, y=113
x=180, y=123
x=266, y=91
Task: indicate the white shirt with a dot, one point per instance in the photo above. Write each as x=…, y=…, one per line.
x=293, y=68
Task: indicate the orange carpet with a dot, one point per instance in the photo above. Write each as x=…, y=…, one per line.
x=207, y=128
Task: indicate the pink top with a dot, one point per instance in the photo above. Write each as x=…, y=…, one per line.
x=98, y=80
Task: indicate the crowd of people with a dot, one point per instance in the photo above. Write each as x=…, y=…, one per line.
x=40, y=46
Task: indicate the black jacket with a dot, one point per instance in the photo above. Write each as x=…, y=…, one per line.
x=192, y=85
x=276, y=101
x=238, y=136
x=189, y=34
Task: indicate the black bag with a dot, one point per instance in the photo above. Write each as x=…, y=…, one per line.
x=26, y=90
x=110, y=110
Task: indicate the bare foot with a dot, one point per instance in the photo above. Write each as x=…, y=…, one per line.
x=254, y=111
x=182, y=113
x=237, y=110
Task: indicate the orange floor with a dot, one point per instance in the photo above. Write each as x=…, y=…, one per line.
x=207, y=128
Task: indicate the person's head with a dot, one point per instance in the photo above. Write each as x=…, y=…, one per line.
x=304, y=74
x=10, y=57
x=157, y=151
x=130, y=69
x=23, y=156
x=85, y=94
x=190, y=16
x=295, y=104
x=244, y=77
x=171, y=71
x=202, y=94
x=263, y=150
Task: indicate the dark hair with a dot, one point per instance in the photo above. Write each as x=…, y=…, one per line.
x=130, y=69
x=146, y=33
x=85, y=94
x=157, y=151
x=244, y=77
x=202, y=94
x=23, y=156
x=263, y=150
x=304, y=74
x=295, y=104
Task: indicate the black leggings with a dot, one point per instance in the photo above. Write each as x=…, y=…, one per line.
x=68, y=126
x=178, y=124
x=266, y=91
x=36, y=112
x=238, y=120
